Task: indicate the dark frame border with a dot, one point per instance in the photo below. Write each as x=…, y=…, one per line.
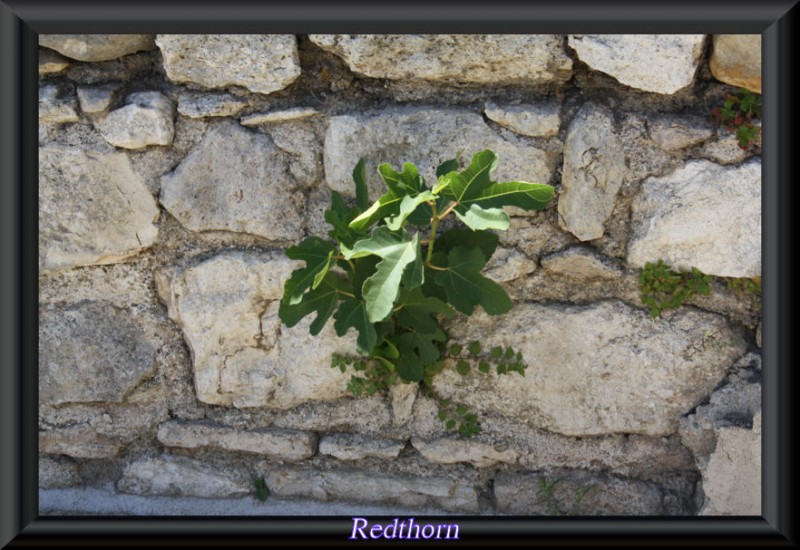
x=19, y=25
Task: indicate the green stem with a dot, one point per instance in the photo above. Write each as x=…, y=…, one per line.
x=345, y=293
x=434, y=226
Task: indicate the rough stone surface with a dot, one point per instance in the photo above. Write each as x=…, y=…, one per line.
x=508, y=264
x=734, y=404
x=594, y=167
x=96, y=99
x=146, y=119
x=91, y=351
x=480, y=59
x=96, y=47
x=235, y=180
x=180, y=476
x=448, y=450
x=295, y=113
x=200, y=105
x=535, y=236
x=673, y=133
x=262, y=63
x=50, y=62
x=360, y=486
x=284, y=445
x=356, y=447
x=403, y=397
x=78, y=442
x=724, y=150
x=425, y=137
x=57, y=473
x=55, y=110
x=580, y=262
x=732, y=478
x=597, y=369
x=227, y=308
x=661, y=63
x=736, y=60
x=702, y=215
x=535, y=120
x=758, y=335
x=522, y=495
x=92, y=208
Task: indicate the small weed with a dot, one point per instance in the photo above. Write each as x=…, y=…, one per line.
x=261, y=489
x=663, y=288
x=737, y=114
x=745, y=285
x=547, y=488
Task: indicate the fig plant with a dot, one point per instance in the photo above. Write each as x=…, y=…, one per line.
x=389, y=272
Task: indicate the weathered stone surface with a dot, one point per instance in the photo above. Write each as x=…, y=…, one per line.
x=235, y=180
x=523, y=495
x=146, y=119
x=531, y=119
x=403, y=397
x=724, y=150
x=627, y=455
x=482, y=59
x=594, y=167
x=55, y=110
x=736, y=60
x=448, y=450
x=295, y=113
x=356, y=447
x=596, y=369
x=702, y=215
x=758, y=335
x=57, y=473
x=50, y=62
x=508, y=264
x=733, y=405
x=96, y=47
x=122, y=423
x=200, y=105
x=262, y=63
x=425, y=137
x=580, y=262
x=91, y=351
x=360, y=486
x=725, y=437
x=79, y=442
x=286, y=445
x=96, y=99
x=675, y=132
x=732, y=478
x=227, y=308
x=92, y=208
x=661, y=63
x=180, y=476
x=365, y=415
x=535, y=236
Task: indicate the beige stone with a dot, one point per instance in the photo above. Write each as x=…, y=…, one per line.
x=736, y=60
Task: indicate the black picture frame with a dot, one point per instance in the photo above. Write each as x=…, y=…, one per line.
x=21, y=22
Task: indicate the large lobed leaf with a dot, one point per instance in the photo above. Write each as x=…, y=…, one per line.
x=396, y=252
x=353, y=313
x=321, y=300
x=466, y=287
x=317, y=253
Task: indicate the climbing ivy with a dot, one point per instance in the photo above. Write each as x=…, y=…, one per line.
x=390, y=273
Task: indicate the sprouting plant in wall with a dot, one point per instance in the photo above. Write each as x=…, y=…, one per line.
x=737, y=114
x=547, y=490
x=261, y=491
x=744, y=285
x=390, y=272
x=663, y=288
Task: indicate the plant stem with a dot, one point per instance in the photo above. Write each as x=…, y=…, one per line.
x=434, y=225
x=345, y=293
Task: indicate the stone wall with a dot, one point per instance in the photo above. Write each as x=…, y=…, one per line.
x=175, y=169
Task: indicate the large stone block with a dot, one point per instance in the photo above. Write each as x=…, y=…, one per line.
x=235, y=180
x=146, y=119
x=736, y=60
x=93, y=209
x=480, y=58
x=91, y=352
x=227, y=308
x=96, y=47
x=262, y=63
x=425, y=137
x=702, y=215
x=597, y=369
x=181, y=477
x=661, y=63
